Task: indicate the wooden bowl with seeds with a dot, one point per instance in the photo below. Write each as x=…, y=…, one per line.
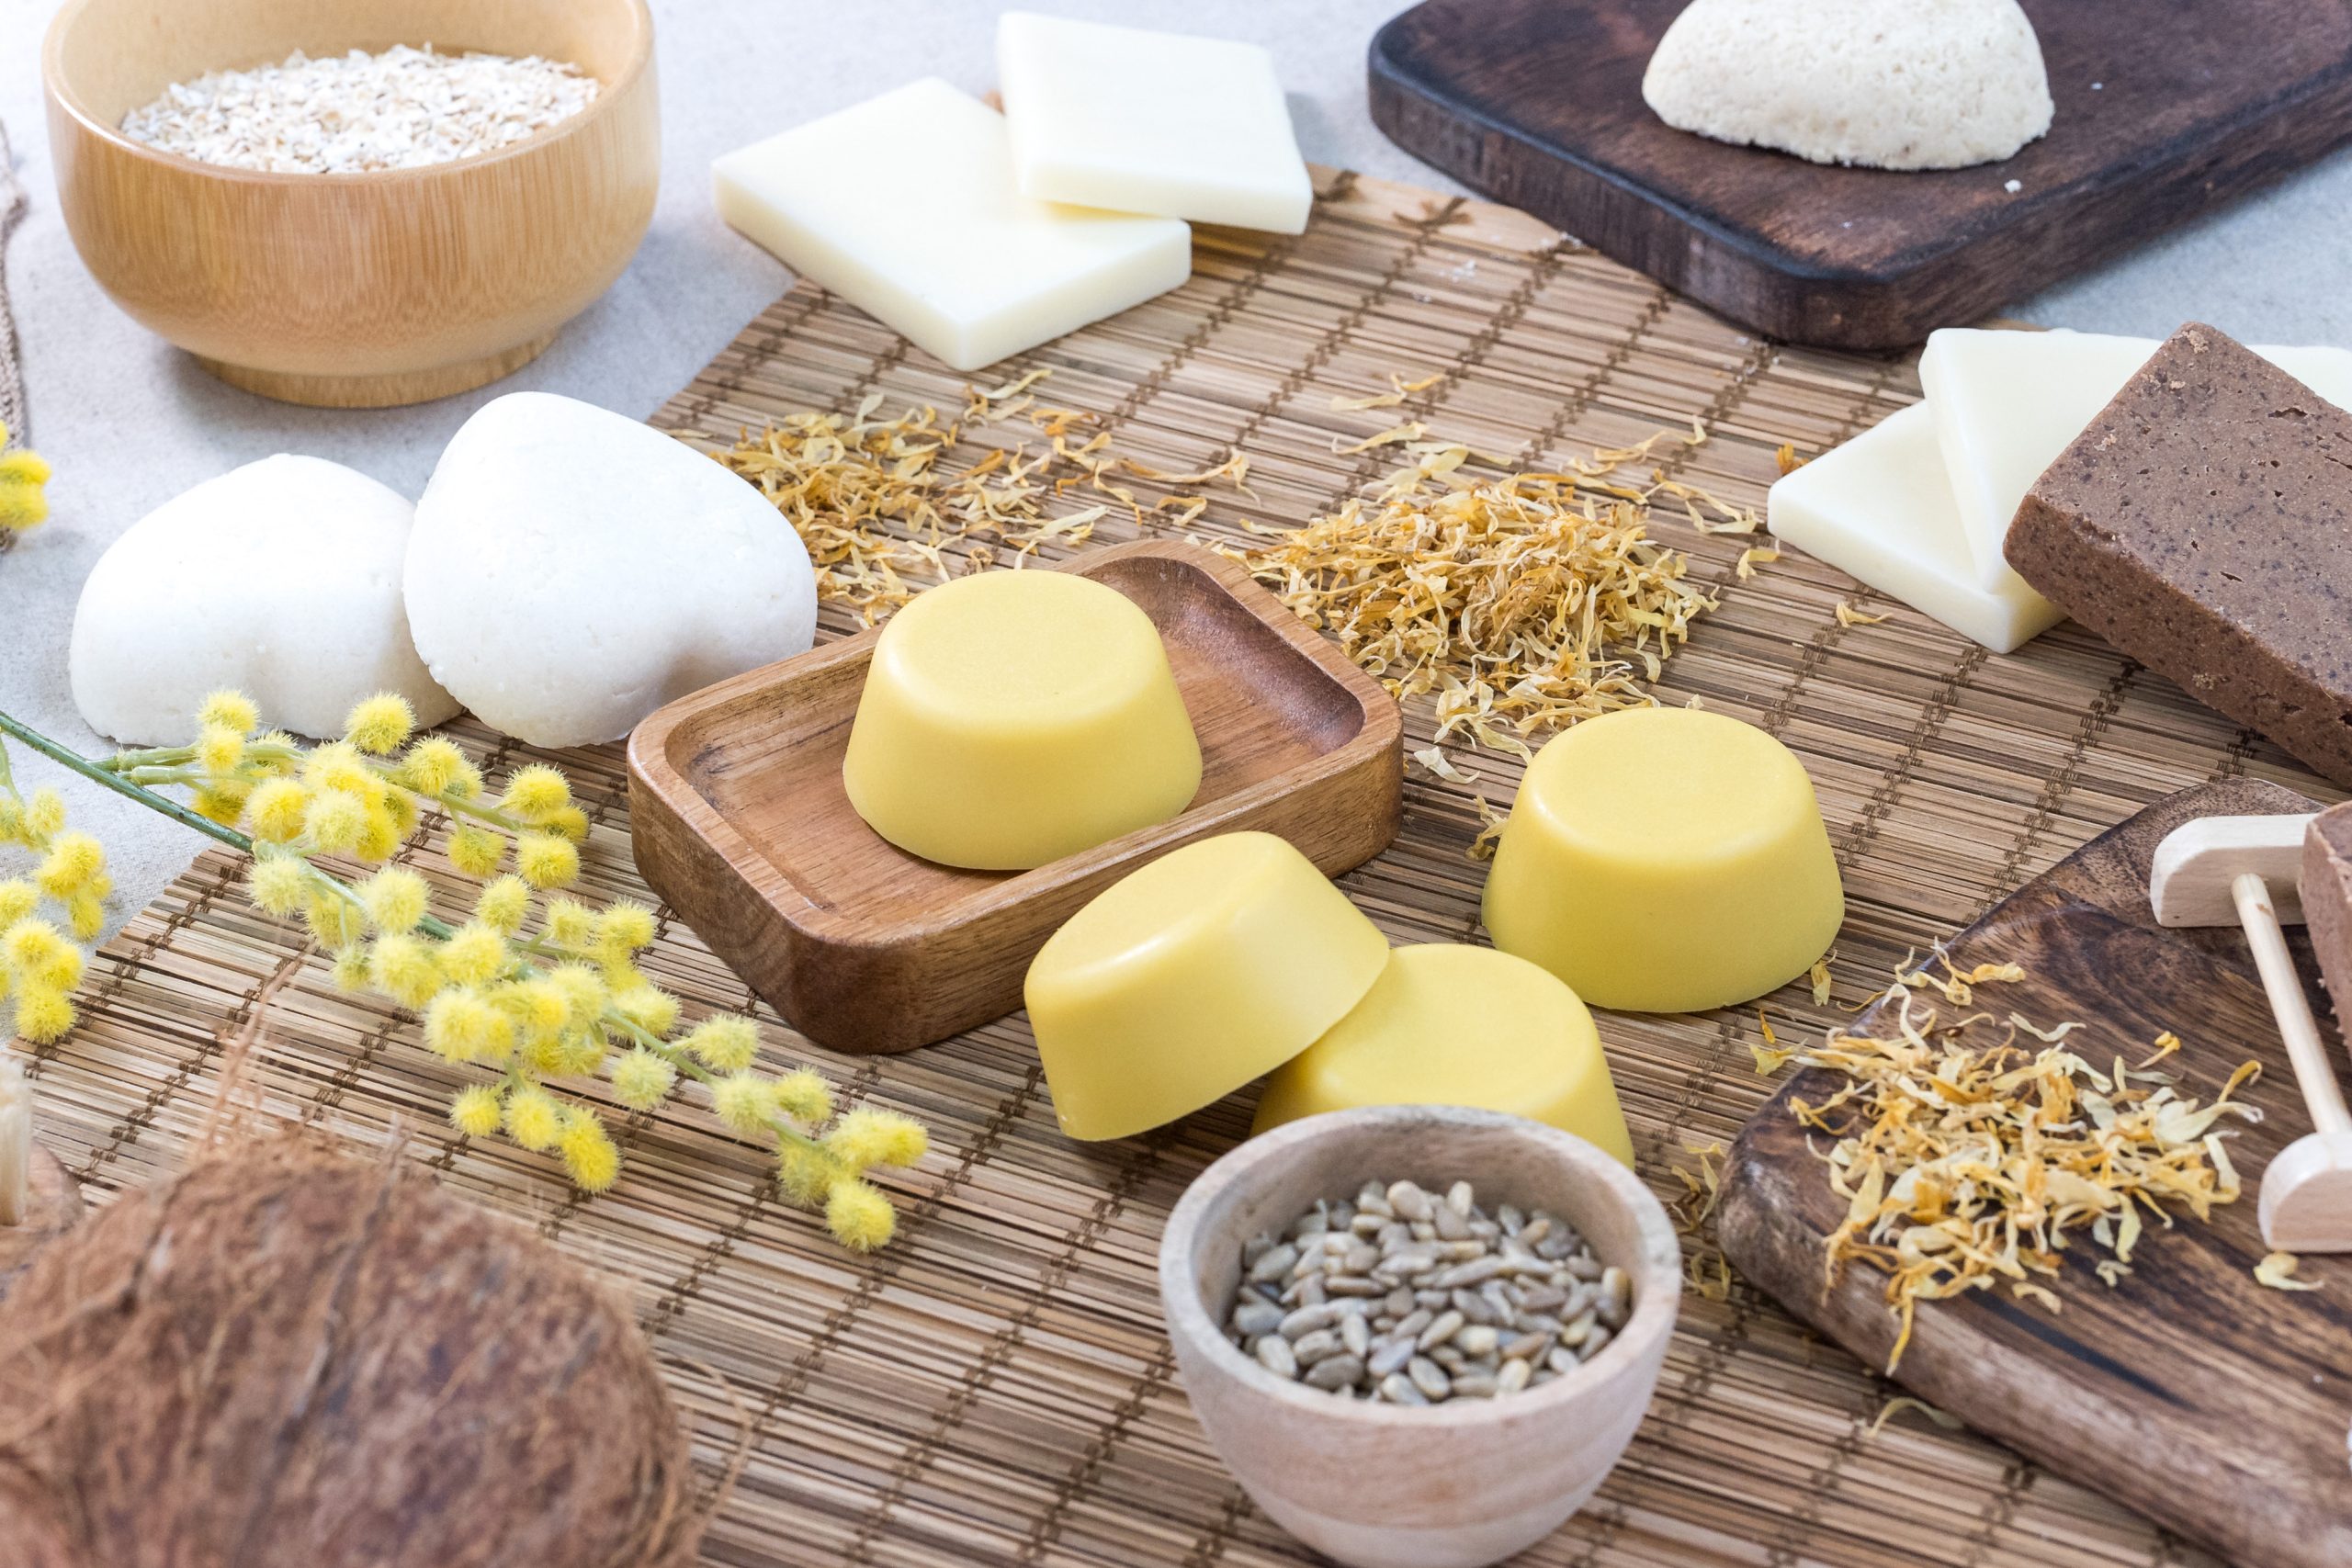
x=1464, y=1480
x=363, y=287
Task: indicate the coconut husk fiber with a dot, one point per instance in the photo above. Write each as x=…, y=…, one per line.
x=283, y=1359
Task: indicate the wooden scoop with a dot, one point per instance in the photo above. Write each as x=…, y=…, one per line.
x=2240, y=869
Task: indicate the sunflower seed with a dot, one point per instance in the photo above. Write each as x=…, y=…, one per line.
x=1273, y=1353
x=1428, y=1377
x=1409, y=1201
x=1442, y=1328
x=1335, y=1372
x=1397, y=1389
x=1254, y=1318
x=1274, y=1264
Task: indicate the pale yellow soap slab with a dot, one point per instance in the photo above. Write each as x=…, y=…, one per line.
x=906, y=206
x=1880, y=509
x=1666, y=860
x=1450, y=1024
x=1013, y=717
x=2006, y=403
x=1209, y=967
x=1141, y=122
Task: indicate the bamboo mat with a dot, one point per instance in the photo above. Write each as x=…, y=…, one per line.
x=995, y=1388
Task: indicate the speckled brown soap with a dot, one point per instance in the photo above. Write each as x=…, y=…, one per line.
x=2324, y=881
x=2203, y=525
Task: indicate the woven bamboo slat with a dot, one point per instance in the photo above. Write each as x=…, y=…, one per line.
x=995, y=1389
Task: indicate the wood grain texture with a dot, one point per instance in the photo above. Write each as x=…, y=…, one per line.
x=2165, y=110
x=56, y=1205
x=2216, y=1406
x=743, y=827
x=353, y=290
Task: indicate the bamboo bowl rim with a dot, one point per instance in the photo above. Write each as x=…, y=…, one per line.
x=67, y=95
x=1654, y=1263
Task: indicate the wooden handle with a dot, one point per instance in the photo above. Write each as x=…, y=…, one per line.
x=2292, y=1009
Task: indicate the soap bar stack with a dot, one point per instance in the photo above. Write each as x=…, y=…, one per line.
x=980, y=235
x=2203, y=524
x=1920, y=506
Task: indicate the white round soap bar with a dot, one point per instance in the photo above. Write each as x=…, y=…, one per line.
x=572, y=571
x=1893, y=84
x=281, y=579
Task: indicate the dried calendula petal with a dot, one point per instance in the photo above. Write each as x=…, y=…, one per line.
x=1771, y=1055
x=1520, y=602
x=1786, y=459
x=1849, y=616
x=1974, y=1154
x=2277, y=1272
x=882, y=520
x=1819, y=977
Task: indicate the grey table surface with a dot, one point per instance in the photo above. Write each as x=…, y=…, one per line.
x=129, y=422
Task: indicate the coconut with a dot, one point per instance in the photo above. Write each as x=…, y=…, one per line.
x=285, y=1360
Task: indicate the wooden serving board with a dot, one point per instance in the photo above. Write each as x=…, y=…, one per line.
x=2214, y=1403
x=2165, y=110
x=744, y=826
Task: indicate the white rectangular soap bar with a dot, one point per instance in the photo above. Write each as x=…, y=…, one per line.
x=2006, y=403
x=905, y=207
x=1881, y=508
x=1153, y=122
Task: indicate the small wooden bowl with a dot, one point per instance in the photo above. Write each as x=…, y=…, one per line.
x=353, y=290
x=1453, y=1486
x=740, y=822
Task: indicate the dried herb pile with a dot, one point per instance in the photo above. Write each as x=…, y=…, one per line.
x=881, y=520
x=1974, y=1154
x=1523, y=602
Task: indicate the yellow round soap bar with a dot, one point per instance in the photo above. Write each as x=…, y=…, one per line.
x=1666, y=860
x=1448, y=1025
x=1014, y=717
x=1208, y=967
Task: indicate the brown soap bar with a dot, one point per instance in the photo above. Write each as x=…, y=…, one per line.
x=2324, y=881
x=2203, y=525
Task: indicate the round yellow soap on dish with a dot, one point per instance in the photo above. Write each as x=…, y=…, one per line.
x=1014, y=717
x=1448, y=1025
x=1208, y=967
x=1666, y=860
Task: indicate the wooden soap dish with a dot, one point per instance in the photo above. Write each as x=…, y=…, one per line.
x=742, y=824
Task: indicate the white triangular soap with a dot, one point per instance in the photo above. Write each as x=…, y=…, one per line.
x=1895, y=84
x=1880, y=508
x=2006, y=403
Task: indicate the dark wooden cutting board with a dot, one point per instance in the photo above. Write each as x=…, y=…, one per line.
x=2216, y=1406
x=2166, y=109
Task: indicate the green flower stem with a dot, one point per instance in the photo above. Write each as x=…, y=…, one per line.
x=114, y=773
x=447, y=800
x=97, y=773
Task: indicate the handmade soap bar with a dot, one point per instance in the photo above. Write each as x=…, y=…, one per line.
x=1141, y=122
x=2325, y=884
x=1014, y=717
x=1210, y=966
x=2008, y=402
x=2203, y=524
x=904, y=205
x=1666, y=860
x=1880, y=507
x=1448, y=1025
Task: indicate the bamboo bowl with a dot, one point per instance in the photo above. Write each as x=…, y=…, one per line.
x=1453, y=1485
x=357, y=291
